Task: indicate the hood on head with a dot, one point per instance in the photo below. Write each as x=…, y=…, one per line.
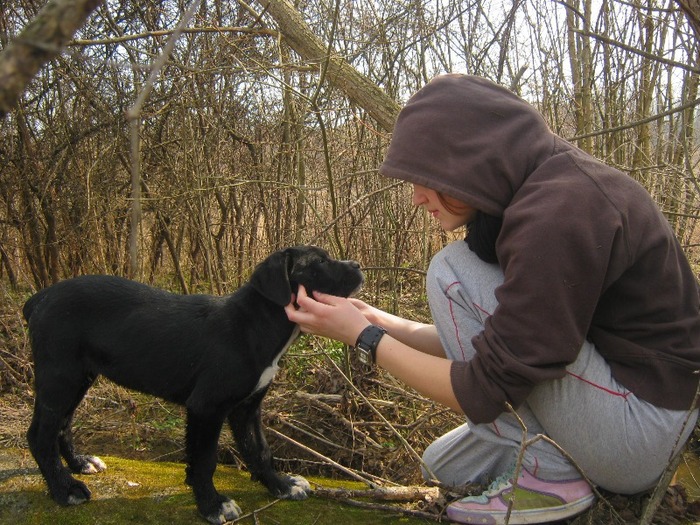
x=468, y=138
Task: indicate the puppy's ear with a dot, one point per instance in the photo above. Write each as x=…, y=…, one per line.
x=271, y=278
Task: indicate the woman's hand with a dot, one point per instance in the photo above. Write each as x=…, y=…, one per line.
x=372, y=314
x=327, y=315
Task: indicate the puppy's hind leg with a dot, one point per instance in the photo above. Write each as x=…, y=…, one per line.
x=78, y=463
x=43, y=441
x=246, y=425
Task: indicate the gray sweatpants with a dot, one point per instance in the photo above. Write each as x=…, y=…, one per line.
x=620, y=442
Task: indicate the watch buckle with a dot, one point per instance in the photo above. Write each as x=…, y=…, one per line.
x=364, y=355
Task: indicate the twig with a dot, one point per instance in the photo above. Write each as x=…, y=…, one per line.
x=342, y=420
x=315, y=437
x=349, y=209
x=254, y=514
x=394, y=509
x=133, y=116
x=660, y=489
x=527, y=442
x=328, y=460
x=337, y=398
x=167, y=32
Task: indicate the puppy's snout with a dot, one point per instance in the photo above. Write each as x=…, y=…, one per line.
x=354, y=264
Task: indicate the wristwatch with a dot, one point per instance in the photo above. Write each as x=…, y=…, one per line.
x=366, y=345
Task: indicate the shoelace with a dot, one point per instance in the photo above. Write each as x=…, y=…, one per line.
x=501, y=482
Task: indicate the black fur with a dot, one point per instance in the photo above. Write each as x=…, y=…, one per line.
x=214, y=355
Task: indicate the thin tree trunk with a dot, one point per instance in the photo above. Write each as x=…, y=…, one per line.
x=580, y=61
x=642, y=155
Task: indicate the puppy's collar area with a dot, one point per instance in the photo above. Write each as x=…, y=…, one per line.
x=269, y=373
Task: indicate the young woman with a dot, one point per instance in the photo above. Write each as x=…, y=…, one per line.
x=571, y=302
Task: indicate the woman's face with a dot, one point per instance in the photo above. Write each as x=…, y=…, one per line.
x=450, y=212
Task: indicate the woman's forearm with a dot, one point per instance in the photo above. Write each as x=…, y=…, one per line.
x=424, y=338
x=421, y=336
x=426, y=373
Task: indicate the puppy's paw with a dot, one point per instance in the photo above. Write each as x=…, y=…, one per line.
x=228, y=511
x=299, y=488
x=89, y=465
x=76, y=494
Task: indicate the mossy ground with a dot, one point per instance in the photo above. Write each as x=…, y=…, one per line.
x=145, y=492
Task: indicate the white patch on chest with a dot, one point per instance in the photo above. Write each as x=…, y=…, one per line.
x=269, y=373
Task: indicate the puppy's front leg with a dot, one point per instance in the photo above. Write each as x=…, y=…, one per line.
x=201, y=440
x=246, y=425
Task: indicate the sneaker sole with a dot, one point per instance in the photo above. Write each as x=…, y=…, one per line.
x=521, y=517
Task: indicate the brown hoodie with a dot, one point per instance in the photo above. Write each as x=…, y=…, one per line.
x=585, y=250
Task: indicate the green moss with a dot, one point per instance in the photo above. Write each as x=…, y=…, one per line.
x=154, y=493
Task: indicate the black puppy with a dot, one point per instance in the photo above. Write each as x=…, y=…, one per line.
x=214, y=355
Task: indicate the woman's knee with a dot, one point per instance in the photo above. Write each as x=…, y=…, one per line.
x=452, y=257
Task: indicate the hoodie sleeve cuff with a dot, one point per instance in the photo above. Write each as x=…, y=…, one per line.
x=476, y=405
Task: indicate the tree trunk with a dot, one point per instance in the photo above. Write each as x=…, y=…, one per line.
x=42, y=39
x=342, y=75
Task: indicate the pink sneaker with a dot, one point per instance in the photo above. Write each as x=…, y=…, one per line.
x=536, y=501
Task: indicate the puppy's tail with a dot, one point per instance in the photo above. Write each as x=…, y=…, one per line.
x=31, y=304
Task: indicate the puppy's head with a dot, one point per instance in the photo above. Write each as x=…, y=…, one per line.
x=279, y=276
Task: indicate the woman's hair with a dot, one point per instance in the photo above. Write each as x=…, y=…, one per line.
x=482, y=232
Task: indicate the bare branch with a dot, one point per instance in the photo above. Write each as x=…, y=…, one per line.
x=691, y=8
x=637, y=51
x=167, y=32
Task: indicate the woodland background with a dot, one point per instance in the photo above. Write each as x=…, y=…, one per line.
x=179, y=143
x=244, y=146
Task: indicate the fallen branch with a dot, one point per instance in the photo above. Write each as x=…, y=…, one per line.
x=410, y=493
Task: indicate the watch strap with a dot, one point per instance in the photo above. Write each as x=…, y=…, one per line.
x=366, y=345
